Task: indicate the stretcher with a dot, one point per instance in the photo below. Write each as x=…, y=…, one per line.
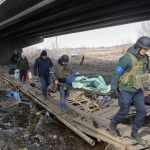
x=102, y=99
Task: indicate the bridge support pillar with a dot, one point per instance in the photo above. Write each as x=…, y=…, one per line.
x=8, y=45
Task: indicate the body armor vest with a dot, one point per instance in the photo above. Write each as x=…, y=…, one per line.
x=65, y=71
x=136, y=77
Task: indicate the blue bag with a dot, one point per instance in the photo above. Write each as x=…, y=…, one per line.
x=71, y=78
x=15, y=95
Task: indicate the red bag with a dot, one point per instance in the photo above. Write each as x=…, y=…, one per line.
x=27, y=76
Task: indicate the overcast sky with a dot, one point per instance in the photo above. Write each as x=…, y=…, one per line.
x=109, y=36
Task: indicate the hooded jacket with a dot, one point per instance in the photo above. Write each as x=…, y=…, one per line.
x=42, y=67
x=23, y=64
x=125, y=63
x=60, y=71
x=14, y=58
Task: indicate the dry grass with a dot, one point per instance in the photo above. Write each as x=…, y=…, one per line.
x=89, y=53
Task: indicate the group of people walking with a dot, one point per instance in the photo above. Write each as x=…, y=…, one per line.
x=129, y=79
x=46, y=72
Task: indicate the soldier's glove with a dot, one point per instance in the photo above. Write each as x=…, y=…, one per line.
x=114, y=94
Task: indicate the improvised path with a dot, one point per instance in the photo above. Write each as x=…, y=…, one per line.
x=84, y=116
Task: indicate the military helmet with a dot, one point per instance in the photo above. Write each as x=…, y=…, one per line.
x=143, y=42
x=64, y=58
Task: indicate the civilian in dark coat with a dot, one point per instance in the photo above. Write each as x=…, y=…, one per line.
x=14, y=58
x=13, y=61
x=42, y=67
x=23, y=66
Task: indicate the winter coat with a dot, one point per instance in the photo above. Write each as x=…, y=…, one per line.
x=23, y=64
x=14, y=58
x=42, y=67
x=61, y=72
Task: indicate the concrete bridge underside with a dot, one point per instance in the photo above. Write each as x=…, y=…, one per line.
x=26, y=22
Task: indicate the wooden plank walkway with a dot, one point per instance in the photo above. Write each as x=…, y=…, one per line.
x=82, y=115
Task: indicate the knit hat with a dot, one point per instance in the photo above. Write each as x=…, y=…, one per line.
x=44, y=53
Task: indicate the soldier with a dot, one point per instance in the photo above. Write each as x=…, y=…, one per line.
x=128, y=80
x=61, y=71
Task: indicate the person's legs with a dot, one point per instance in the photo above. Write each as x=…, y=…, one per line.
x=124, y=101
x=47, y=81
x=66, y=93
x=62, y=97
x=44, y=87
x=21, y=75
x=138, y=101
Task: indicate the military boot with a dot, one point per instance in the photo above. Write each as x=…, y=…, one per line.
x=113, y=130
x=136, y=136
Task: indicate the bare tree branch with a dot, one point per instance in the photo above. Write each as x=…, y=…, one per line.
x=144, y=29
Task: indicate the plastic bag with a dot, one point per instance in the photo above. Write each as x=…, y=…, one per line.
x=17, y=74
x=15, y=95
x=28, y=75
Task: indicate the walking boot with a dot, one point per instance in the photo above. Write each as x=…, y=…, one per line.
x=113, y=130
x=136, y=136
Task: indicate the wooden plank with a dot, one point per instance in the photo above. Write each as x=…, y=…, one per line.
x=123, y=143
x=103, y=135
x=136, y=147
x=54, y=110
x=75, y=94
